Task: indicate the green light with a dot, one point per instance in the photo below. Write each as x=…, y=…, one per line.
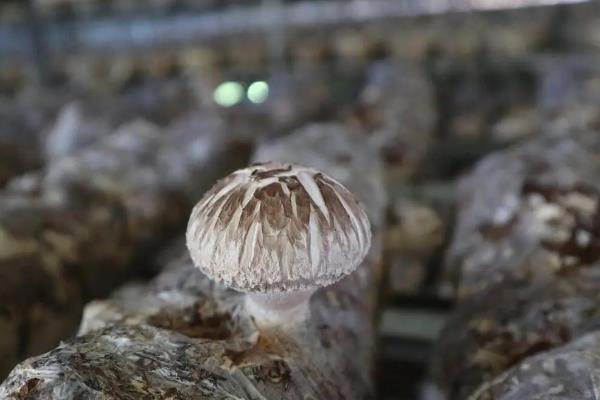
x=258, y=92
x=228, y=94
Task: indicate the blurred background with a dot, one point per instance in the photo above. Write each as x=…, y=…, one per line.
x=435, y=84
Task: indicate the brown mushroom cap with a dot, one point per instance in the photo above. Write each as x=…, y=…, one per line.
x=275, y=227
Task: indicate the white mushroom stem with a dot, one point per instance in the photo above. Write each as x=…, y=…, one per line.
x=281, y=309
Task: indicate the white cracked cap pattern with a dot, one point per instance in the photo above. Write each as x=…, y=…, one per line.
x=277, y=227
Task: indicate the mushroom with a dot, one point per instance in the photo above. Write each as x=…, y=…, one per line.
x=278, y=231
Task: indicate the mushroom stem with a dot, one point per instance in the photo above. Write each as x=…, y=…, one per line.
x=280, y=309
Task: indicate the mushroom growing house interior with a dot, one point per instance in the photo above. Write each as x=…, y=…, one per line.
x=300, y=199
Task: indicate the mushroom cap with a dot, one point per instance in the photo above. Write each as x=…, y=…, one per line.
x=278, y=227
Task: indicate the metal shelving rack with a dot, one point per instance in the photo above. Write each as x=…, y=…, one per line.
x=107, y=28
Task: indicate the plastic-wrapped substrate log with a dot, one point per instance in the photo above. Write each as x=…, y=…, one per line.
x=40, y=125
x=525, y=258
x=182, y=336
x=88, y=221
x=528, y=213
x=565, y=373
